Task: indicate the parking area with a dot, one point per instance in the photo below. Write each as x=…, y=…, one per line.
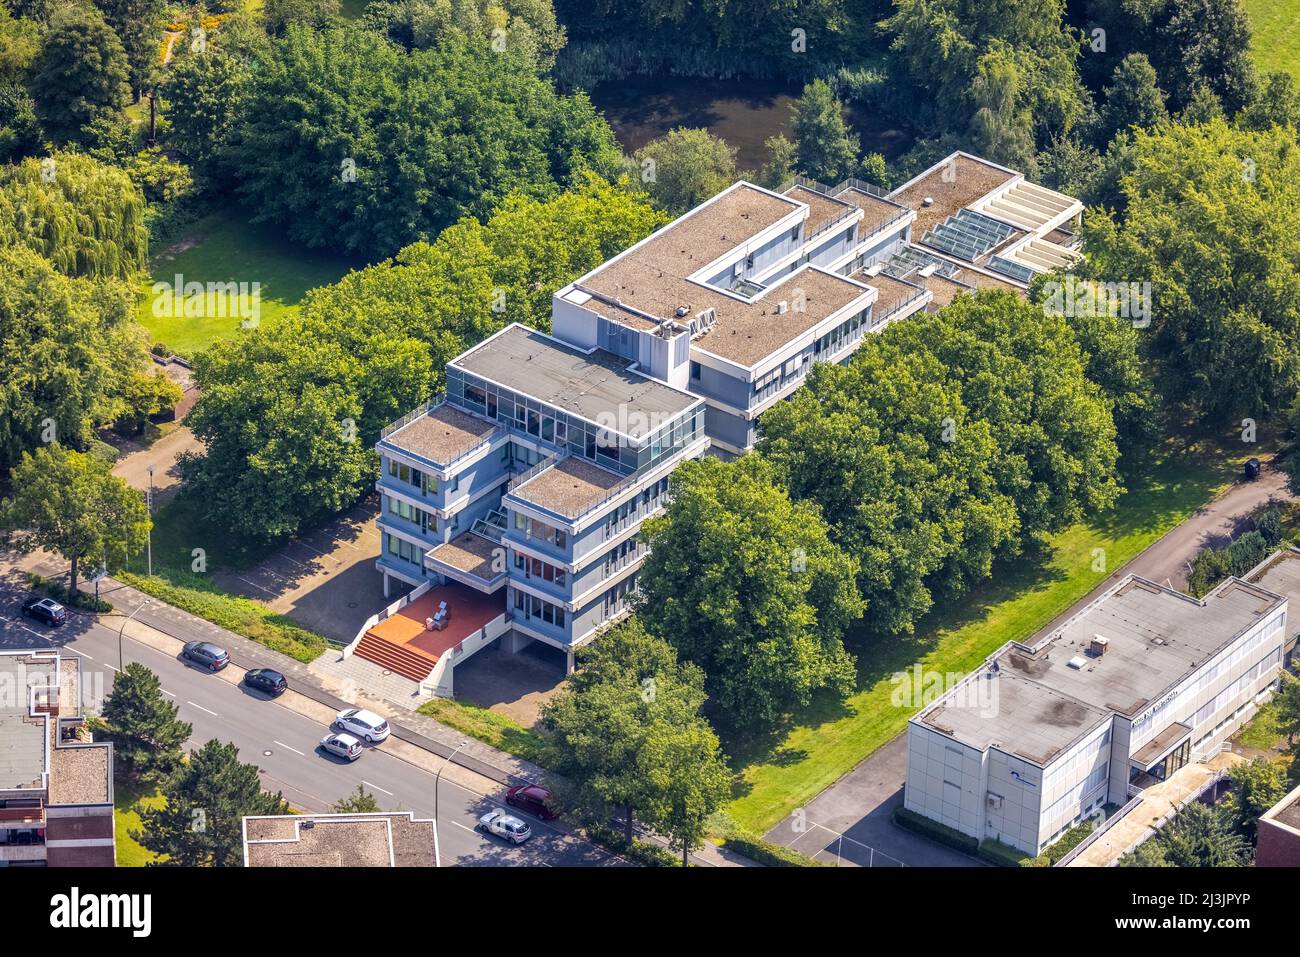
x=326, y=580
x=851, y=823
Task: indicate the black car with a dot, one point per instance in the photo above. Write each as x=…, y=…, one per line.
x=1251, y=471
x=45, y=609
x=264, y=679
x=207, y=654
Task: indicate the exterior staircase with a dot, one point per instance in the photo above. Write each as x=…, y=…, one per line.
x=401, y=659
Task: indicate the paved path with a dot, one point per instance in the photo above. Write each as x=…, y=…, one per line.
x=133, y=467
x=859, y=804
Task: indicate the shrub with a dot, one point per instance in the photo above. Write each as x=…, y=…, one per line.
x=59, y=592
x=645, y=852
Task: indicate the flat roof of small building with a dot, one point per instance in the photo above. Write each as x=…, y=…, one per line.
x=47, y=691
x=1155, y=638
x=392, y=839
x=570, y=487
x=443, y=434
x=598, y=386
x=1280, y=573
x=822, y=209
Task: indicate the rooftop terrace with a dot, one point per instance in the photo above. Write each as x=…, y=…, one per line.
x=443, y=434
x=653, y=276
x=570, y=487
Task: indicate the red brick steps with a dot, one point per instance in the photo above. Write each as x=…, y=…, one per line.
x=401, y=659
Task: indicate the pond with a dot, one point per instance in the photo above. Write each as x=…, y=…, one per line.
x=743, y=112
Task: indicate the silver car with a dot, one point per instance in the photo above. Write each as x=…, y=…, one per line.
x=505, y=826
x=342, y=746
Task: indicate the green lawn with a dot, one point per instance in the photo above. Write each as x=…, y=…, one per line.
x=225, y=247
x=126, y=818
x=781, y=773
x=1276, y=26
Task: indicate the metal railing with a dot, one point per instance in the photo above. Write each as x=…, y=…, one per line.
x=536, y=470
x=414, y=414
x=898, y=306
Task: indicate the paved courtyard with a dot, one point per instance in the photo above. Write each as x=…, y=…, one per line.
x=326, y=579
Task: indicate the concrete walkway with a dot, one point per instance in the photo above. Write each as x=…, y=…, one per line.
x=1157, y=803
x=133, y=467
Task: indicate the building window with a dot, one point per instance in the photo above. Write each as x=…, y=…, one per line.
x=695, y=371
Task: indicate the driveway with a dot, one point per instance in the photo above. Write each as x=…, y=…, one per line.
x=858, y=806
x=133, y=466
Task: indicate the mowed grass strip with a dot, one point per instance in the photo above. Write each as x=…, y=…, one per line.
x=225, y=247
x=781, y=774
x=1275, y=25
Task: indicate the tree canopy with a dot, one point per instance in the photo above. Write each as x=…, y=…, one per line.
x=351, y=142
x=1225, y=312
x=746, y=584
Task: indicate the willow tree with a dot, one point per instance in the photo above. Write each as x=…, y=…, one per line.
x=86, y=218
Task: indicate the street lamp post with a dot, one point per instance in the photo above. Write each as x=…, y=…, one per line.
x=149, y=505
x=143, y=604
x=437, y=779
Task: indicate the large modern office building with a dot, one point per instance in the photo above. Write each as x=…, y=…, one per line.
x=1123, y=694
x=528, y=482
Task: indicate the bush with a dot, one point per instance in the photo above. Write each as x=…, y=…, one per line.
x=764, y=852
x=1067, y=842
x=1250, y=548
x=919, y=824
x=644, y=852
x=59, y=592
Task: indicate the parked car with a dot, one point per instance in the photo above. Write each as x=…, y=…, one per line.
x=366, y=725
x=342, y=746
x=532, y=798
x=264, y=679
x=45, y=609
x=207, y=654
x=1251, y=471
x=505, y=826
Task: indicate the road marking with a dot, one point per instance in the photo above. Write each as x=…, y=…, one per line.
x=82, y=653
x=169, y=694
x=201, y=708
x=283, y=745
x=376, y=787
x=255, y=585
x=464, y=827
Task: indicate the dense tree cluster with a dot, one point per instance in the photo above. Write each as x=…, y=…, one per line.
x=945, y=442
x=289, y=413
x=628, y=735
x=746, y=584
x=399, y=145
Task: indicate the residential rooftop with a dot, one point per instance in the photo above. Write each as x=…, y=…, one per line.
x=1155, y=638
x=443, y=434
x=471, y=553
x=33, y=752
x=393, y=839
x=570, y=487
x=597, y=386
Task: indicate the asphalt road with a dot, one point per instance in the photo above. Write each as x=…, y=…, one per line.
x=282, y=743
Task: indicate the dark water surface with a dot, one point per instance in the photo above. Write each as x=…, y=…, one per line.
x=743, y=112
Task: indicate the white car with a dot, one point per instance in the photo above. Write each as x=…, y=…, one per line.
x=505, y=826
x=342, y=746
x=366, y=725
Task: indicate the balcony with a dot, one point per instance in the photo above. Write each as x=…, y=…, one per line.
x=16, y=816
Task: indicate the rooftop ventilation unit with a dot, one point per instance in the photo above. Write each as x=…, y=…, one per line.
x=1077, y=663
x=705, y=318
x=682, y=311
x=782, y=307
x=928, y=201
x=1097, y=647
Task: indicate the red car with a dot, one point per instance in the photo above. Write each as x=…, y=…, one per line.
x=532, y=798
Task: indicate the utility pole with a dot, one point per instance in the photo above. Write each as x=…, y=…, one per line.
x=149, y=503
